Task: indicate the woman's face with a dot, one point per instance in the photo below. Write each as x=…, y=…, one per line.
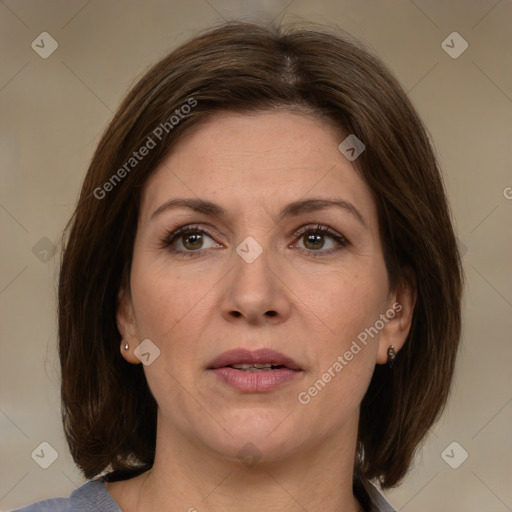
x=266, y=267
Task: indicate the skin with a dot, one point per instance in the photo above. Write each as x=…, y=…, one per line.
x=309, y=308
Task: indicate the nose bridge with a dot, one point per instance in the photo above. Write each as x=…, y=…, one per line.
x=254, y=290
x=251, y=268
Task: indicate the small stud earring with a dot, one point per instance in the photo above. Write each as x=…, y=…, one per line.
x=391, y=356
x=126, y=347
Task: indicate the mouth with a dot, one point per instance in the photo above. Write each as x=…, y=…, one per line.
x=254, y=371
x=260, y=360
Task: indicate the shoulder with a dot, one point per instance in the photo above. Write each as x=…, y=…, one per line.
x=90, y=497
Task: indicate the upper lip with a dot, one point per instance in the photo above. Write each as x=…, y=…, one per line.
x=244, y=356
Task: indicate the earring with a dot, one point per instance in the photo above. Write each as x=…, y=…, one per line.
x=391, y=356
x=126, y=347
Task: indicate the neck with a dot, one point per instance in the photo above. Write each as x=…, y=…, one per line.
x=191, y=477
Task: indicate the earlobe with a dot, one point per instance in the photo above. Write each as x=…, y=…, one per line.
x=125, y=320
x=128, y=352
x=395, y=332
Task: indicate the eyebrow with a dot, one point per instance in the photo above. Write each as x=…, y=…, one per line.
x=291, y=210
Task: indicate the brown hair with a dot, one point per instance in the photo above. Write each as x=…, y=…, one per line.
x=109, y=413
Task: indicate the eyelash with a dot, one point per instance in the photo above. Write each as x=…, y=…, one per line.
x=172, y=236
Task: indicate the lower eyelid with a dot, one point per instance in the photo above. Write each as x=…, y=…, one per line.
x=339, y=245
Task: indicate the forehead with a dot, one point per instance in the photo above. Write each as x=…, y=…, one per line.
x=265, y=159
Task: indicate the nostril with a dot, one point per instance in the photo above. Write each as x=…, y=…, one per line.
x=271, y=313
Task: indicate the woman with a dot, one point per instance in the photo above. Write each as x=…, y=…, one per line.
x=264, y=202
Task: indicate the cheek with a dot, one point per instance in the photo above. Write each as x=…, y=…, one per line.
x=174, y=312
x=163, y=299
x=346, y=301
x=170, y=312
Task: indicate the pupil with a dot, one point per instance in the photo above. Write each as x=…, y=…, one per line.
x=316, y=240
x=196, y=241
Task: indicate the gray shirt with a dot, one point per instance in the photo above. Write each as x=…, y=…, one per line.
x=94, y=497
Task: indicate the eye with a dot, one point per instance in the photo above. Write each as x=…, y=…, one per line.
x=320, y=239
x=316, y=240
x=188, y=240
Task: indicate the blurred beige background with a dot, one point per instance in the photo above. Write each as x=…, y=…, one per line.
x=54, y=109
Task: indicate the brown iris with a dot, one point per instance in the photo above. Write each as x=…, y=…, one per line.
x=196, y=241
x=316, y=241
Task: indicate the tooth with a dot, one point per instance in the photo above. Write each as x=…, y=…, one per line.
x=255, y=366
x=243, y=366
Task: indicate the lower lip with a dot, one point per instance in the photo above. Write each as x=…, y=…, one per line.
x=255, y=382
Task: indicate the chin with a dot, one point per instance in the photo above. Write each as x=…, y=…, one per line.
x=254, y=437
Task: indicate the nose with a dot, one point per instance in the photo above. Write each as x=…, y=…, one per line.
x=254, y=292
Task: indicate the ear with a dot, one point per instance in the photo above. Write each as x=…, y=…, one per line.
x=399, y=315
x=127, y=326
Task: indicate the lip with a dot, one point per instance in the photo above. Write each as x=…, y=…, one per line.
x=244, y=356
x=254, y=382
